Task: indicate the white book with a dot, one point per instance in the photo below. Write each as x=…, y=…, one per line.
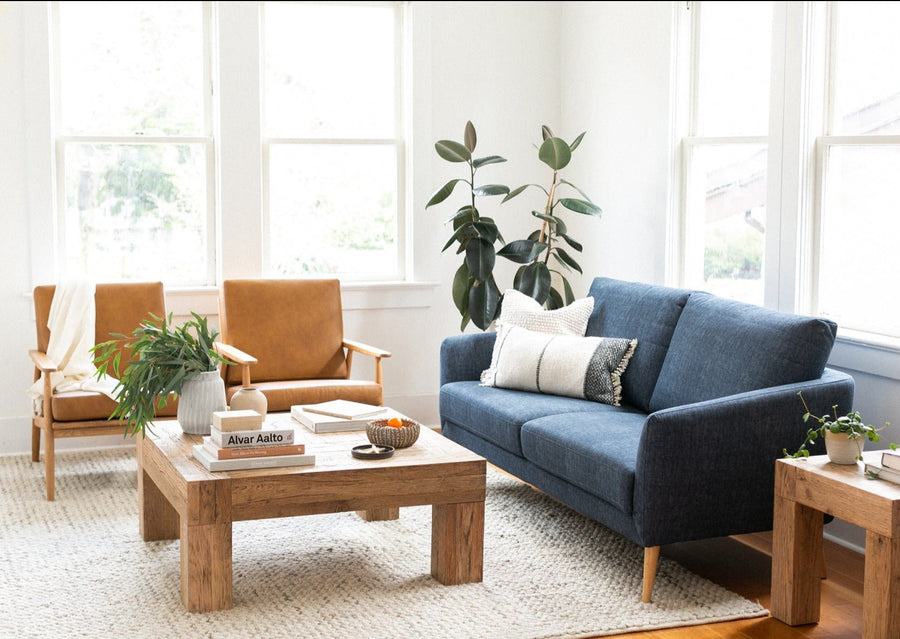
x=318, y=423
x=250, y=438
x=212, y=464
x=881, y=472
x=891, y=459
x=345, y=409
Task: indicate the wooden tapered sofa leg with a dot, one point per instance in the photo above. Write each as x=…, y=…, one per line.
x=651, y=561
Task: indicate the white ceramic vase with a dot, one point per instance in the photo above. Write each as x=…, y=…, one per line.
x=842, y=449
x=201, y=396
x=250, y=398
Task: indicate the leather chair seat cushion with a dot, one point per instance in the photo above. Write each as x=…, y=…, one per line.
x=281, y=395
x=81, y=406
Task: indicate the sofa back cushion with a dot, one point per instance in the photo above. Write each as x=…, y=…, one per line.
x=638, y=311
x=722, y=347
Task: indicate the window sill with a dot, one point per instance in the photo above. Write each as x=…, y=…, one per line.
x=867, y=353
x=355, y=296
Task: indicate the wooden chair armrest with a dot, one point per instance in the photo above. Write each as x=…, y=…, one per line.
x=358, y=347
x=237, y=356
x=234, y=354
x=42, y=362
x=365, y=349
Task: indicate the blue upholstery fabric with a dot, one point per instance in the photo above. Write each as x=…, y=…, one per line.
x=642, y=311
x=597, y=455
x=722, y=347
x=572, y=496
x=463, y=357
x=708, y=469
x=500, y=412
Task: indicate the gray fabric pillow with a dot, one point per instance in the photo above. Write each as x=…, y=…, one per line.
x=567, y=365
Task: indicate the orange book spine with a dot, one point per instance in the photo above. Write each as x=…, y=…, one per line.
x=262, y=451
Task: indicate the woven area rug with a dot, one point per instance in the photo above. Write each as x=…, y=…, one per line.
x=77, y=567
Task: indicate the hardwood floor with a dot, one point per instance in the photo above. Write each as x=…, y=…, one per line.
x=743, y=565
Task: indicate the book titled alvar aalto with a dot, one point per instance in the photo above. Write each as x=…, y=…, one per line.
x=251, y=438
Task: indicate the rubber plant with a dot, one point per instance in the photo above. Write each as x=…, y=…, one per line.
x=535, y=276
x=475, y=291
x=163, y=357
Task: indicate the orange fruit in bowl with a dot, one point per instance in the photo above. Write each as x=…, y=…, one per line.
x=395, y=422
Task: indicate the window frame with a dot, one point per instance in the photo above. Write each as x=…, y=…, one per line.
x=398, y=143
x=207, y=141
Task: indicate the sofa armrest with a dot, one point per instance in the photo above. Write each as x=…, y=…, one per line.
x=463, y=357
x=708, y=469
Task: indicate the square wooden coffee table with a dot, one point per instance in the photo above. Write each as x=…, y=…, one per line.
x=180, y=499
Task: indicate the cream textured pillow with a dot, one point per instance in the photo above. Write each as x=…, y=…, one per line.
x=519, y=309
x=568, y=365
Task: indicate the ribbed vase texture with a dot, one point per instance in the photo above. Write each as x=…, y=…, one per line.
x=201, y=396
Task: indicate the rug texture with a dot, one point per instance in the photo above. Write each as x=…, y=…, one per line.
x=77, y=567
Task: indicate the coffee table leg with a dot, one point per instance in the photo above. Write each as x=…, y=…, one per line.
x=159, y=520
x=881, y=587
x=379, y=514
x=457, y=542
x=206, y=548
x=796, y=577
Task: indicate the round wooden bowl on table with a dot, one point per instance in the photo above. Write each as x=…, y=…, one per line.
x=381, y=434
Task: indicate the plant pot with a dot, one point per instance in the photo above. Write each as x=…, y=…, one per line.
x=250, y=398
x=842, y=449
x=201, y=395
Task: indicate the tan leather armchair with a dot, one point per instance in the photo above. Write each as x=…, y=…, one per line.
x=78, y=413
x=290, y=334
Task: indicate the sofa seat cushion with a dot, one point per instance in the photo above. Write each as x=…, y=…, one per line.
x=638, y=311
x=597, y=455
x=497, y=414
x=722, y=347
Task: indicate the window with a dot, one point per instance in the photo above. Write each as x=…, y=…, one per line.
x=134, y=147
x=333, y=150
x=858, y=164
x=724, y=149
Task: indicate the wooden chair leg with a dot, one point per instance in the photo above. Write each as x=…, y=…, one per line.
x=50, y=466
x=651, y=561
x=35, y=443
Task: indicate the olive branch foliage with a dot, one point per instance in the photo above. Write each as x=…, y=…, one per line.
x=475, y=292
x=158, y=357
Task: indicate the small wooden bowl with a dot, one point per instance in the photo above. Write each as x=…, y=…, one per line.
x=380, y=434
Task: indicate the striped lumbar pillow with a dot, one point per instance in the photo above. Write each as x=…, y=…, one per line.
x=569, y=365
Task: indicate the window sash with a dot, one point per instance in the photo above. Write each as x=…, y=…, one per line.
x=207, y=142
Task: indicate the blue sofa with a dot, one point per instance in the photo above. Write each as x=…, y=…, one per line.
x=709, y=401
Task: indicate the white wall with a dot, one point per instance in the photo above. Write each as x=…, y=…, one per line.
x=615, y=77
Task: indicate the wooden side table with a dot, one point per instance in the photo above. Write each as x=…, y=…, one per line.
x=804, y=489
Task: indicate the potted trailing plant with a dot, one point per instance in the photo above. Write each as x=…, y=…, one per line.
x=844, y=435
x=167, y=361
x=535, y=276
x=475, y=291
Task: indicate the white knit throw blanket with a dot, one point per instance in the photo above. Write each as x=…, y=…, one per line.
x=72, y=322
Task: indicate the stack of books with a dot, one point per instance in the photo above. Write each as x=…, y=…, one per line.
x=888, y=469
x=337, y=415
x=237, y=441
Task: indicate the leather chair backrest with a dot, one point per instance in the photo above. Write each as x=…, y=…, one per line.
x=119, y=308
x=294, y=328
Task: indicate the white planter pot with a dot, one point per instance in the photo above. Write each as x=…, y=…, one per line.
x=842, y=449
x=201, y=396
